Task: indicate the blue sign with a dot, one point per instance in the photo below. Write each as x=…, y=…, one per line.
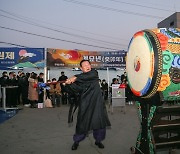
x=11, y=58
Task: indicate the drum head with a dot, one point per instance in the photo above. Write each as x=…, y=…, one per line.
x=144, y=63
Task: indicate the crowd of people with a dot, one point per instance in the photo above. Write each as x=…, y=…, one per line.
x=27, y=89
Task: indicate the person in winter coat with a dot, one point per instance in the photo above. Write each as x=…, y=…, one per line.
x=24, y=84
x=41, y=90
x=92, y=114
x=11, y=92
x=104, y=87
x=33, y=90
x=55, y=92
x=3, y=83
x=63, y=77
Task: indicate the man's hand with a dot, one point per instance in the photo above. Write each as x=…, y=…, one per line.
x=70, y=80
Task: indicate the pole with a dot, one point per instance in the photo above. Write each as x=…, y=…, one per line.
x=48, y=74
x=45, y=74
x=4, y=98
x=108, y=76
x=45, y=65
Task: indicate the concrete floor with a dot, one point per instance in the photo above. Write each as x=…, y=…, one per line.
x=46, y=131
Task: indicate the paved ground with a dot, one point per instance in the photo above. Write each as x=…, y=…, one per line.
x=45, y=131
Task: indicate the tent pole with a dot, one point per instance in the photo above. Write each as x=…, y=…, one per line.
x=108, y=76
x=45, y=65
x=48, y=74
x=45, y=73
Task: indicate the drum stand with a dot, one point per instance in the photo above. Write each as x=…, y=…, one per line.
x=166, y=126
x=144, y=144
x=157, y=133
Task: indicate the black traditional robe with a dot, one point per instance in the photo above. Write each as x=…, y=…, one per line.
x=92, y=112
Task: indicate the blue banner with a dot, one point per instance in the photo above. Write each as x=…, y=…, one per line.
x=15, y=58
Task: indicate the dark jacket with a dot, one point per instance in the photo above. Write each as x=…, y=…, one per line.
x=62, y=78
x=92, y=112
x=4, y=81
x=24, y=84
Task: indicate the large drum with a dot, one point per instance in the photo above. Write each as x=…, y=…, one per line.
x=153, y=63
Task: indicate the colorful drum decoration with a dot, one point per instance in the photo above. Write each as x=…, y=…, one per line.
x=153, y=63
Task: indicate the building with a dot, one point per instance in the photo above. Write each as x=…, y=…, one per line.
x=171, y=21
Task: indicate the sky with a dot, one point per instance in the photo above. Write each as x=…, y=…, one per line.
x=96, y=25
